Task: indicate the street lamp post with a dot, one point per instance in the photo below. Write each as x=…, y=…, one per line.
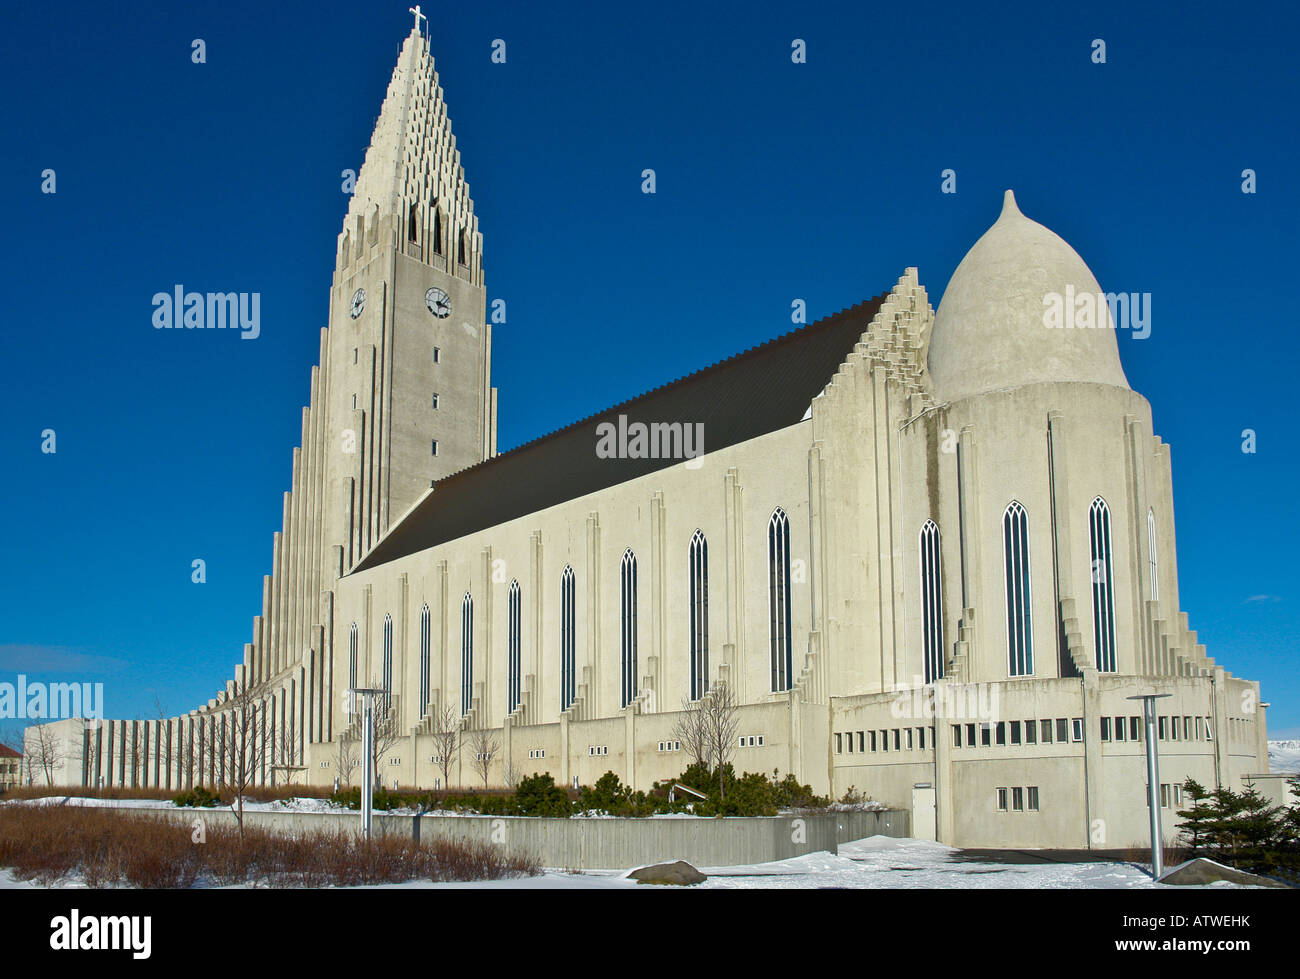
x=367, y=695
x=1153, y=780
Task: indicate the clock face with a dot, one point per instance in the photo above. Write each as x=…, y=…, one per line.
x=439, y=303
x=358, y=302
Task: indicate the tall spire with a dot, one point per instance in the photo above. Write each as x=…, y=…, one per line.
x=411, y=184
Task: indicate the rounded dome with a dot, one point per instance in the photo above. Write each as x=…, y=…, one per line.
x=991, y=332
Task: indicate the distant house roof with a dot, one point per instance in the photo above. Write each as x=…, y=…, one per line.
x=764, y=389
x=7, y=752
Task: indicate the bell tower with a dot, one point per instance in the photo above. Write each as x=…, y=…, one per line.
x=409, y=351
x=402, y=395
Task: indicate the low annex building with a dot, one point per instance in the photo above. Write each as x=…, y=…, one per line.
x=932, y=554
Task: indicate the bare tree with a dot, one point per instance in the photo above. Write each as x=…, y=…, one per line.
x=386, y=735
x=41, y=752
x=691, y=729
x=163, y=743
x=721, y=717
x=446, y=741
x=511, y=776
x=347, y=759
x=238, y=749
x=485, y=748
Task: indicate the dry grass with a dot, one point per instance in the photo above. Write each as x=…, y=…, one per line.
x=107, y=848
x=262, y=793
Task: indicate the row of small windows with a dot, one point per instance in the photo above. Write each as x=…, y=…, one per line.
x=598, y=749
x=751, y=741
x=1041, y=731
x=1021, y=798
x=1187, y=727
x=1169, y=793
x=885, y=739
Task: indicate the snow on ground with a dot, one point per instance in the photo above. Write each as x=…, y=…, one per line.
x=1284, y=756
x=879, y=862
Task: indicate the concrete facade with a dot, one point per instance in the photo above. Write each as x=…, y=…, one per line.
x=935, y=431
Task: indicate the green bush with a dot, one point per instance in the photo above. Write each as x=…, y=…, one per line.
x=538, y=795
x=197, y=797
x=751, y=794
x=612, y=797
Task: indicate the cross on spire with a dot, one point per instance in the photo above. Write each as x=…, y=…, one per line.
x=418, y=16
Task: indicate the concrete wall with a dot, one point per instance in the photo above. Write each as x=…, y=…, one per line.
x=604, y=844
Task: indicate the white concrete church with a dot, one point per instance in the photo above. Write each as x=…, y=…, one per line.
x=932, y=553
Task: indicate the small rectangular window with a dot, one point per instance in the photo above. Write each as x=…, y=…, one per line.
x=1031, y=732
x=884, y=740
x=1002, y=800
x=956, y=735
x=1001, y=729
x=437, y=355
x=1032, y=793
x=970, y=735
x=1164, y=796
x=1076, y=729
x=742, y=741
x=986, y=735
x=434, y=444
x=1121, y=729
x=909, y=738
x=1015, y=732
x=435, y=399
x=1135, y=729
x=898, y=741
x=1188, y=734
x=839, y=744
x=1105, y=729
x=862, y=740
x=1174, y=728
x=1045, y=729
x=1209, y=731
x=1062, y=730
x=1162, y=728
x=873, y=740
x=1018, y=799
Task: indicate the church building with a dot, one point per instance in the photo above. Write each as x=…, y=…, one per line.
x=931, y=554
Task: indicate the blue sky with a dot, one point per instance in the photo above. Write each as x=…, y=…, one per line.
x=775, y=180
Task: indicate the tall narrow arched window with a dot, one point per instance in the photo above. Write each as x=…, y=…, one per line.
x=1103, y=593
x=931, y=602
x=437, y=229
x=462, y=250
x=1153, y=564
x=568, y=644
x=466, y=653
x=386, y=679
x=424, y=660
x=1015, y=552
x=413, y=224
x=778, y=599
x=628, y=625
x=352, y=670
x=514, y=657
x=699, y=604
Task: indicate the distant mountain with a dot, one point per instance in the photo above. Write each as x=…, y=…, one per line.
x=1284, y=756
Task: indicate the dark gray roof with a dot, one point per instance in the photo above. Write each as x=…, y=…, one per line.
x=764, y=389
